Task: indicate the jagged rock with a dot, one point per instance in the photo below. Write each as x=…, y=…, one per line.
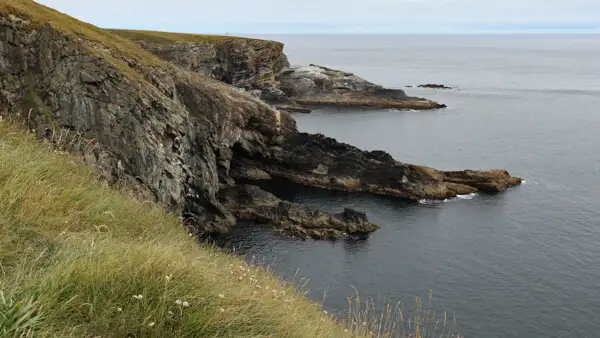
x=319, y=161
x=250, y=64
x=317, y=85
x=251, y=203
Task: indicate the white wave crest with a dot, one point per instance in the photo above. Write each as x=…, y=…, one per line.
x=457, y=198
x=466, y=197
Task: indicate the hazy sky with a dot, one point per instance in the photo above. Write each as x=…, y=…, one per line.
x=311, y=16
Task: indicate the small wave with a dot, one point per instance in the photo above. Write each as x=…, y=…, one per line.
x=396, y=110
x=466, y=197
x=457, y=198
x=426, y=201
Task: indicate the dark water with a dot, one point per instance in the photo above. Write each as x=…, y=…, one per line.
x=524, y=263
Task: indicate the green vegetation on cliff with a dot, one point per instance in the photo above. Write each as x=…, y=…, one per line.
x=79, y=259
x=41, y=15
x=172, y=37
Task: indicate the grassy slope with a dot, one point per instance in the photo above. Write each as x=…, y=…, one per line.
x=83, y=251
x=41, y=15
x=172, y=37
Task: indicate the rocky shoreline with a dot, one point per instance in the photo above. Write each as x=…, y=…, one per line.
x=182, y=123
x=262, y=69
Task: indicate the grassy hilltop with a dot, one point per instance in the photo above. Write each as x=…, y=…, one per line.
x=172, y=37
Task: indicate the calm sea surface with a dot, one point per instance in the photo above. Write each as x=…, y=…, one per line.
x=524, y=263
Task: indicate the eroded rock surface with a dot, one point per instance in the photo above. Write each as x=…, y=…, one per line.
x=317, y=85
x=319, y=161
x=249, y=64
x=251, y=203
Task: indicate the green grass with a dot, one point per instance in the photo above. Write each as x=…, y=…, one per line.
x=81, y=259
x=40, y=15
x=114, y=48
x=74, y=253
x=172, y=37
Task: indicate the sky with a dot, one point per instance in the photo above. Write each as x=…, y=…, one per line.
x=339, y=16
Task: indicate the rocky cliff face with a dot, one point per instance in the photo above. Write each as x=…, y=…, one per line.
x=262, y=68
x=167, y=131
x=244, y=63
x=180, y=138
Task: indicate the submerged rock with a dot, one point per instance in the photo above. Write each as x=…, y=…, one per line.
x=251, y=203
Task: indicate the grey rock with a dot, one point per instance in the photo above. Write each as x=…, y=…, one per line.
x=254, y=204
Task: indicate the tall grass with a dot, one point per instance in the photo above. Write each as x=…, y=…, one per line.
x=81, y=259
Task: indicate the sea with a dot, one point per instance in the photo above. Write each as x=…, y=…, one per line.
x=522, y=263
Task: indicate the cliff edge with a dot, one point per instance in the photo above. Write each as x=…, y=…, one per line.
x=262, y=68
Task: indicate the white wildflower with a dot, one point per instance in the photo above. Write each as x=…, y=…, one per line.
x=190, y=234
x=168, y=278
x=185, y=304
x=221, y=295
x=151, y=324
x=138, y=297
x=178, y=302
x=119, y=309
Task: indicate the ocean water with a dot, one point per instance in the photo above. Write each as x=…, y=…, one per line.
x=523, y=263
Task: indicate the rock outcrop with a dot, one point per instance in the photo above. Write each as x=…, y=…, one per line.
x=249, y=64
x=316, y=85
x=320, y=161
x=181, y=139
x=434, y=86
x=261, y=67
x=251, y=203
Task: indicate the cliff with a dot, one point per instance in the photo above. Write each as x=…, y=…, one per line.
x=262, y=68
x=180, y=138
x=250, y=64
